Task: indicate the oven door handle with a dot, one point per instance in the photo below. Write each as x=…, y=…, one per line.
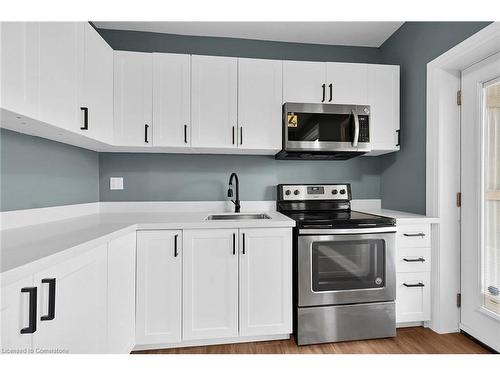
x=356, y=129
x=349, y=231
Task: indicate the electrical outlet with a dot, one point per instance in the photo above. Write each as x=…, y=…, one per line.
x=116, y=183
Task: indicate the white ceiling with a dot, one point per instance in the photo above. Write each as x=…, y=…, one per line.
x=366, y=34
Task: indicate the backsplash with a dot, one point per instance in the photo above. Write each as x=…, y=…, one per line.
x=178, y=177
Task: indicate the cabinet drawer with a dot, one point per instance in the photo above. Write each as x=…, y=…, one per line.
x=413, y=297
x=418, y=235
x=413, y=259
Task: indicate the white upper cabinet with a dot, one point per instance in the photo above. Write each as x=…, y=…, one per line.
x=133, y=93
x=19, y=67
x=304, y=82
x=171, y=100
x=346, y=83
x=214, y=102
x=159, y=287
x=259, y=104
x=265, y=281
x=97, y=88
x=210, y=284
x=383, y=98
x=60, y=73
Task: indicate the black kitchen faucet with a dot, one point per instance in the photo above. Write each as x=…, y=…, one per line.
x=236, y=202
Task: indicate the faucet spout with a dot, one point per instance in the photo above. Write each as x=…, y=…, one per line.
x=236, y=201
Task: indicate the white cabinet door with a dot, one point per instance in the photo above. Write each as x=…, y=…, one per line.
x=159, y=288
x=214, y=102
x=210, y=284
x=60, y=73
x=133, y=96
x=19, y=67
x=78, y=324
x=97, y=87
x=304, y=82
x=413, y=298
x=14, y=312
x=171, y=99
x=346, y=83
x=121, y=294
x=259, y=104
x=265, y=281
x=383, y=98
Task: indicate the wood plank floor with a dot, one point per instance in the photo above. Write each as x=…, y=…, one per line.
x=414, y=340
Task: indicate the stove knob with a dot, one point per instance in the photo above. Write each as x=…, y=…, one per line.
x=334, y=191
x=342, y=191
x=296, y=192
x=288, y=192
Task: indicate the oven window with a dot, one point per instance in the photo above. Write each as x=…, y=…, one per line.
x=322, y=127
x=345, y=265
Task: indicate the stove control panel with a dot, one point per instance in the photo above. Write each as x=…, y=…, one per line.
x=331, y=192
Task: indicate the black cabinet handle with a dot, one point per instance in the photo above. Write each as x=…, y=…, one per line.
x=324, y=92
x=32, y=310
x=414, y=234
x=414, y=260
x=176, y=250
x=234, y=243
x=146, y=127
x=52, y=299
x=331, y=91
x=417, y=285
x=85, y=118
x=243, y=239
x=399, y=138
x=185, y=133
x=241, y=135
x=233, y=135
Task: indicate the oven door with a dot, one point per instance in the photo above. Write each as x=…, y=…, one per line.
x=341, y=267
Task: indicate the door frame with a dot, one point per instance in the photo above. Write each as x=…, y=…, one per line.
x=443, y=182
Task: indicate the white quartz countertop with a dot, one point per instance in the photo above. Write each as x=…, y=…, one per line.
x=23, y=246
x=401, y=217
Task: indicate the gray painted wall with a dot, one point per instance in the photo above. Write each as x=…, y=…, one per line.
x=412, y=46
x=36, y=172
x=176, y=177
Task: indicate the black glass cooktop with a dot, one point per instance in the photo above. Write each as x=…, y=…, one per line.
x=338, y=219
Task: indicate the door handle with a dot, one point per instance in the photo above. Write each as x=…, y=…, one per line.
x=234, y=243
x=233, y=135
x=243, y=243
x=324, y=92
x=414, y=234
x=414, y=260
x=185, y=133
x=399, y=138
x=176, y=249
x=417, y=285
x=241, y=135
x=52, y=299
x=31, y=328
x=356, y=129
x=146, y=127
x=85, y=118
x=331, y=91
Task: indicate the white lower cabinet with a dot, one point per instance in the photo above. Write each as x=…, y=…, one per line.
x=210, y=284
x=265, y=281
x=121, y=294
x=73, y=319
x=413, y=297
x=159, y=287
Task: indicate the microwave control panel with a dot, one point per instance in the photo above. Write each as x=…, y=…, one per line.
x=364, y=128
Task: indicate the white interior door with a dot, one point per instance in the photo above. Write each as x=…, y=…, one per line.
x=480, y=213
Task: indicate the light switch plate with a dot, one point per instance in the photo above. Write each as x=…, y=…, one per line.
x=116, y=183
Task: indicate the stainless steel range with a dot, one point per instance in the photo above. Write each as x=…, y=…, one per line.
x=344, y=267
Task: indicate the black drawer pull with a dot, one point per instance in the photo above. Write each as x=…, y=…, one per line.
x=146, y=127
x=324, y=92
x=414, y=260
x=331, y=91
x=32, y=310
x=243, y=245
x=52, y=299
x=233, y=135
x=85, y=118
x=241, y=135
x=414, y=234
x=234, y=243
x=417, y=285
x=176, y=250
x=399, y=138
x=185, y=133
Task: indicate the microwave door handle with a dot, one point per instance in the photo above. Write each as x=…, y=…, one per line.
x=356, y=129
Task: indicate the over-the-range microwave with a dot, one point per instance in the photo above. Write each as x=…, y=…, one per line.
x=325, y=131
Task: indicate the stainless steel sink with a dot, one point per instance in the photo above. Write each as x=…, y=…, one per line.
x=238, y=217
